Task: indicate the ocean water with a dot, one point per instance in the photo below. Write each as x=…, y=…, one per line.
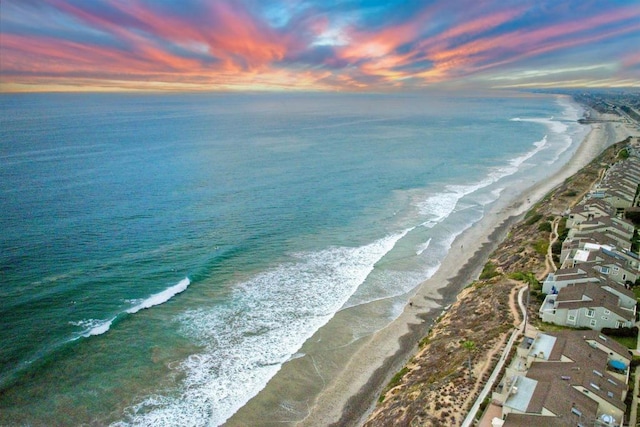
x=162, y=257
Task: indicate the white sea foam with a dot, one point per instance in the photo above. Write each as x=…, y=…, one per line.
x=423, y=247
x=439, y=206
x=570, y=114
x=403, y=283
x=518, y=161
x=246, y=343
x=98, y=327
x=93, y=326
x=560, y=128
x=162, y=297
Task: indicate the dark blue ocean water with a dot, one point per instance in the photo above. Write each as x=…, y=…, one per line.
x=161, y=256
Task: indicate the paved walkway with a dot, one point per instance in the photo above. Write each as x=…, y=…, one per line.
x=468, y=421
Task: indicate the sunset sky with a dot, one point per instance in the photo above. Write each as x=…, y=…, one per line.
x=310, y=45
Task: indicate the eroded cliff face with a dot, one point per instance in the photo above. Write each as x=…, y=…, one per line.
x=436, y=388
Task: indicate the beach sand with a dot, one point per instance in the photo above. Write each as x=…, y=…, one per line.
x=347, y=377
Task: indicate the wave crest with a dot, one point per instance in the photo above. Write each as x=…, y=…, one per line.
x=98, y=327
x=162, y=297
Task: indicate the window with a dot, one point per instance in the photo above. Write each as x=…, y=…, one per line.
x=612, y=382
x=598, y=373
x=576, y=412
x=571, y=318
x=607, y=311
x=592, y=322
x=604, y=318
x=594, y=386
x=590, y=312
x=618, y=324
x=615, y=269
x=604, y=270
x=610, y=394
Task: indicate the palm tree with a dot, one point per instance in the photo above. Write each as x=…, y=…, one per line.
x=470, y=346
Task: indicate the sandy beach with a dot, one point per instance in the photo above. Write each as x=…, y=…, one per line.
x=349, y=399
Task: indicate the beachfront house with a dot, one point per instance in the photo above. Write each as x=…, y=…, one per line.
x=619, y=200
x=588, y=274
x=621, y=267
x=588, y=210
x=621, y=229
x=536, y=403
x=619, y=186
x=588, y=306
x=617, y=354
x=564, y=378
x=569, y=276
x=589, y=378
x=592, y=241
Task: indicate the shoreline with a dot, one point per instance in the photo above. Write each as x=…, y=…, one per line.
x=351, y=397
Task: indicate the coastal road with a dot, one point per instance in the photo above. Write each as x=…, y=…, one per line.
x=468, y=421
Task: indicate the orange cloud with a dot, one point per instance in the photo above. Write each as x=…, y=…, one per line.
x=228, y=43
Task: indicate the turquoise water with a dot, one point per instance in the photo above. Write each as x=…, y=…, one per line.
x=162, y=256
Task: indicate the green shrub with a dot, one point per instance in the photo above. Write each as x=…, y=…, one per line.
x=528, y=277
x=488, y=271
x=563, y=231
x=484, y=404
x=397, y=378
x=545, y=226
x=556, y=248
x=541, y=246
x=532, y=219
x=623, y=154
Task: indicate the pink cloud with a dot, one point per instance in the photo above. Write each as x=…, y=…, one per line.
x=491, y=51
x=228, y=32
x=226, y=43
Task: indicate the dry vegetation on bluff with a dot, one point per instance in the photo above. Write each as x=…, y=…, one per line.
x=436, y=387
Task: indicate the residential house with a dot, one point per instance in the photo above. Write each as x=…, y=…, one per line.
x=588, y=305
x=564, y=378
x=621, y=267
x=588, y=210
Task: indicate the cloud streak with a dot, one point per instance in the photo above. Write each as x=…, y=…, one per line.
x=312, y=45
